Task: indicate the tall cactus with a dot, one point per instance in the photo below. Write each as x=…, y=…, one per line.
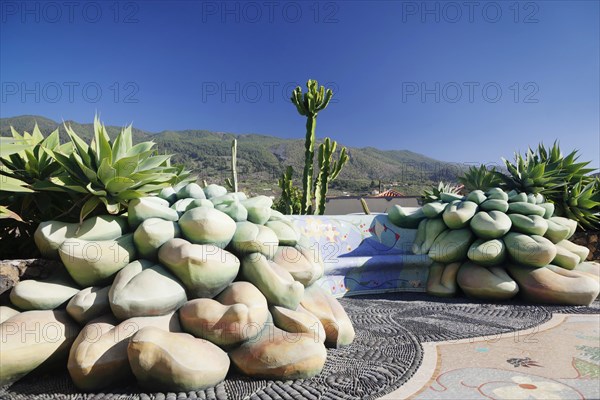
x=233, y=181
x=309, y=105
x=328, y=171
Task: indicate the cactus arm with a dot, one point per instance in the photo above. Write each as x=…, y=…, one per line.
x=326, y=100
x=298, y=101
x=285, y=183
x=339, y=164
x=328, y=171
x=325, y=153
x=319, y=181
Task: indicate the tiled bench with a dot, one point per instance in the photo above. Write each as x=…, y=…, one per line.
x=365, y=254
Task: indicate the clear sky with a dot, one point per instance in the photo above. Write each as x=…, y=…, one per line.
x=464, y=81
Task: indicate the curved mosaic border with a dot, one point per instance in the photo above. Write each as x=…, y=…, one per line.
x=385, y=355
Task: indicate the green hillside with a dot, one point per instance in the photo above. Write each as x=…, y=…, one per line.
x=261, y=159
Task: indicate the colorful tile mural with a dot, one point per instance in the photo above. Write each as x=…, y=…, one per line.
x=364, y=254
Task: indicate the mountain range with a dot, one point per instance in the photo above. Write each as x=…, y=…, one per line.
x=261, y=159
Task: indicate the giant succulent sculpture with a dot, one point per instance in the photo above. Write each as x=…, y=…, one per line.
x=494, y=245
x=186, y=286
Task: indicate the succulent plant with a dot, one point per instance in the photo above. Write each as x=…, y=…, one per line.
x=563, y=181
x=27, y=166
x=114, y=172
x=310, y=104
x=232, y=183
x=26, y=196
x=435, y=193
x=581, y=202
x=567, y=168
x=291, y=198
x=328, y=171
x=527, y=174
x=480, y=178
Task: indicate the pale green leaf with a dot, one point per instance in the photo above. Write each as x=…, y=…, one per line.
x=140, y=148
x=10, y=146
x=111, y=206
x=123, y=143
x=79, y=145
x=101, y=142
x=131, y=194
x=126, y=166
x=8, y=184
x=68, y=183
x=153, y=162
x=90, y=174
x=89, y=206
x=95, y=192
x=5, y=213
x=37, y=135
x=106, y=172
x=119, y=184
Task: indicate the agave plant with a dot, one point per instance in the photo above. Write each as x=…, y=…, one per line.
x=111, y=173
x=435, y=192
x=25, y=165
x=581, y=202
x=528, y=174
x=21, y=161
x=24, y=170
x=8, y=183
x=562, y=180
x=545, y=171
x=480, y=178
x=567, y=167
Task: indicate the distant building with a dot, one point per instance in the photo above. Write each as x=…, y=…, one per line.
x=390, y=193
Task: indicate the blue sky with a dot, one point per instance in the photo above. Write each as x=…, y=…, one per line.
x=458, y=81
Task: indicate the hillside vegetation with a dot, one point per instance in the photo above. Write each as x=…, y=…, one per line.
x=262, y=159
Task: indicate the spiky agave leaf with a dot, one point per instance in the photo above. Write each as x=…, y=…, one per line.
x=581, y=202
x=566, y=169
x=480, y=178
x=436, y=191
x=114, y=172
x=528, y=174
